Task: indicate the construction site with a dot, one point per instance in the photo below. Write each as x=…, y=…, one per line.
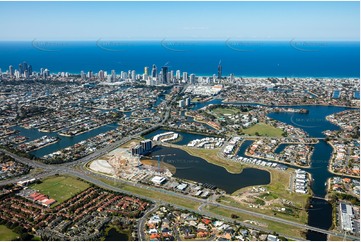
x=131, y=163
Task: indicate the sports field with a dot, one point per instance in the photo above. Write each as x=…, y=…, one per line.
x=225, y=110
x=263, y=129
x=60, y=188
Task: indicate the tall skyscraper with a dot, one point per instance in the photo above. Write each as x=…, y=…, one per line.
x=171, y=74
x=146, y=70
x=82, y=74
x=219, y=70
x=154, y=71
x=192, y=78
x=101, y=75
x=214, y=78
x=25, y=67
x=123, y=75
x=17, y=74
x=231, y=77
x=46, y=73
x=133, y=75
x=187, y=101
x=185, y=76
x=164, y=74
x=90, y=74
x=21, y=68
x=26, y=74
x=30, y=69
x=146, y=145
x=114, y=76
x=178, y=74
x=11, y=70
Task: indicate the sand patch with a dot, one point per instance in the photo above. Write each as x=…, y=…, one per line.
x=102, y=166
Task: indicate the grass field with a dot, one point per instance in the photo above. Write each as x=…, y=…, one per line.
x=196, y=99
x=278, y=187
x=263, y=130
x=280, y=184
x=334, y=238
x=231, y=202
x=60, y=188
x=130, y=143
x=7, y=234
x=223, y=111
x=212, y=157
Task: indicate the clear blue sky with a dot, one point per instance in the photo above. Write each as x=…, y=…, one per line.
x=179, y=20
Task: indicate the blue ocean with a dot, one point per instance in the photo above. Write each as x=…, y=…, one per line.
x=242, y=58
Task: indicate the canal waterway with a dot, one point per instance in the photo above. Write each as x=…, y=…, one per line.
x=199, y=170
x=64, y=141
x=314, y=123
x=280, y=148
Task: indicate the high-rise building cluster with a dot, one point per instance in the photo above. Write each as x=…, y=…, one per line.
x=143, y=148
x=150, y=76
x=25, y=70
x=184, y=102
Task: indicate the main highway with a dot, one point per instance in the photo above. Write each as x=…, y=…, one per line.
x=77, y=169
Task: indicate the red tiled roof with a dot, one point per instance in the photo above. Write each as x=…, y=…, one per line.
x=49, y=201
x=35, y=194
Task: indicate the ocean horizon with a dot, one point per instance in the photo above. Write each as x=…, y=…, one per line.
x=243, y=58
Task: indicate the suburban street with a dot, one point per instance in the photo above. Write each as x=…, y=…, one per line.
x=142, y=220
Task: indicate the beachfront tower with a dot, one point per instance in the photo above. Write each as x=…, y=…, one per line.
x=11, y=70
x=219, y=70
x=164, y=74
x=113, y=76
x=154, y=71
x=178, y=74
x=192, y=78
x=185, y=76
x=146, y=71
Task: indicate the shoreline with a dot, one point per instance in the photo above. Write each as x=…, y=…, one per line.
x=43, y=146
x=289, y=105
x=329, y=167
x=198, y=121
x=83, y=132
x=185, y=131
x=271, y=160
